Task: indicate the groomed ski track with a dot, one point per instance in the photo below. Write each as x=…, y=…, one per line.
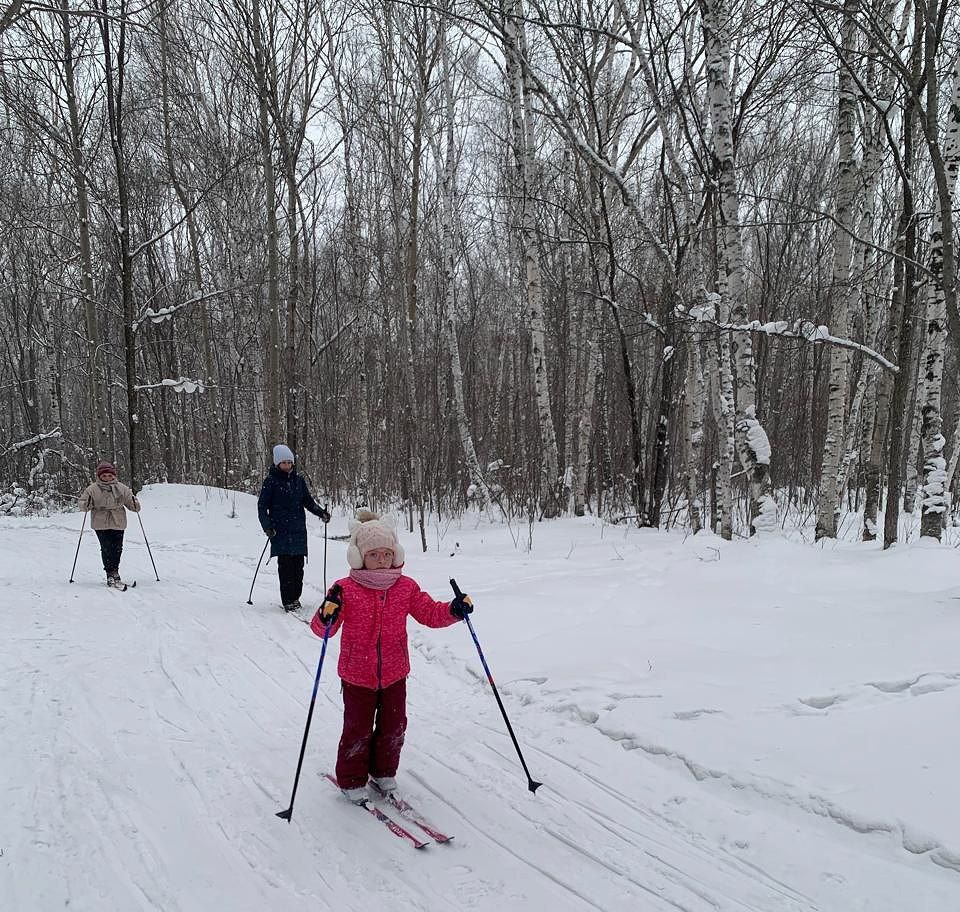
x=150, y=738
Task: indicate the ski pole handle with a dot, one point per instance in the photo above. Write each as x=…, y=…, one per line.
x=456, y=588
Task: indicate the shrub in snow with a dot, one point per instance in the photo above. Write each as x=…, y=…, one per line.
x=42, y=500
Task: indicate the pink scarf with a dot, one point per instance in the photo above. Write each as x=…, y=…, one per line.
x=377, y=579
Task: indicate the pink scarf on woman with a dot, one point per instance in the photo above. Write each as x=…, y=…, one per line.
x=376, y=579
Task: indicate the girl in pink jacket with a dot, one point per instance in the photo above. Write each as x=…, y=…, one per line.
x=371, y=607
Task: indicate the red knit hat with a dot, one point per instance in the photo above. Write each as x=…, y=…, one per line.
x=105, y=467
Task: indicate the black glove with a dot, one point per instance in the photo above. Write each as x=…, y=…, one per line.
x=269, y=532
x=324, y=514
x=331, y=607
x=461, y=606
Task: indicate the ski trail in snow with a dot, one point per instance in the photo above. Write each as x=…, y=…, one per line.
x=156, y=733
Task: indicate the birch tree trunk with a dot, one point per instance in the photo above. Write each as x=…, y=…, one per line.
x=954, y=454
x=720, y=361
x=585, y=429
x=523, y=144
x=868, y=262
x=902, y=330
x=934, y=502
x=752, y=443
x=695, y=397
x=828, y=505
x=916, y=398
x=576, y=340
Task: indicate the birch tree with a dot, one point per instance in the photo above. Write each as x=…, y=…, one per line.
x=524, y=146
x=752, y=442
x=941, y=295
x=828, y=504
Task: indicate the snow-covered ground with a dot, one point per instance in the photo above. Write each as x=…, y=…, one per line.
x=761, y=726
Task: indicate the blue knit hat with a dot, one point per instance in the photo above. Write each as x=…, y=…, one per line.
x=281, y=452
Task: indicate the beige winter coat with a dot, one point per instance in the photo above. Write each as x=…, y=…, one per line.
x=107, y=501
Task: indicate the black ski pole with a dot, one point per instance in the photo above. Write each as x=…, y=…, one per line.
x=80, y=539
x=144, y=531
x=532, y=784
x=255, y=572
x=288, y=813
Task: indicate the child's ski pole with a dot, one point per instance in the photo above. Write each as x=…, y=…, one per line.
x=532, y=784
x=288, y=813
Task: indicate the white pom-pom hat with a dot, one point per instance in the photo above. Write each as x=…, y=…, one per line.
x=368, y=532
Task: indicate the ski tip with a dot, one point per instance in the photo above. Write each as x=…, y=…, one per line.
x=286, y=815
x=533, y=786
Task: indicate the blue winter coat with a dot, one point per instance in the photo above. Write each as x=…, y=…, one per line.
x=283, y=498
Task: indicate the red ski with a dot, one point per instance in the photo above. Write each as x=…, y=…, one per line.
x=387, y=821
x=410, y=813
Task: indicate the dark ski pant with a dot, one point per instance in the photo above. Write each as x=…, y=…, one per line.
x=290, y=571
x=111, y=547
x=374, y=722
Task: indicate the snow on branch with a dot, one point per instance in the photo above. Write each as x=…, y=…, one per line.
x=40, y=465
x=798, y=329
x=183, y=385
x=646, y=319
x=23, y=444
x=166, y=313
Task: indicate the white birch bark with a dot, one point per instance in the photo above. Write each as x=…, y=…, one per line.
x=867, y=263
x=934, y=494
x=585, y=430
x=952, y=464
x=828, y=504
x=752, y=443
x=575, y=341
x=523, y=145
x=916, y=399
x=695, y=395
x=720, y=367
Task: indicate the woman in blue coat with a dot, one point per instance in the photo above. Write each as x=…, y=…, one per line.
x=283, y=499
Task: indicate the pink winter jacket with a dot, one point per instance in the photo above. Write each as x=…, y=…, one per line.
x=374, y=651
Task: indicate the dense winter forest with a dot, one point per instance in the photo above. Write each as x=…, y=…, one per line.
x=677, y=263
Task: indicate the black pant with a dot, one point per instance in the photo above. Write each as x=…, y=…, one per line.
x=290, y=571
x=111, y=547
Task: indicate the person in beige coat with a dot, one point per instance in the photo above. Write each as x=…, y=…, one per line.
x=108, y=501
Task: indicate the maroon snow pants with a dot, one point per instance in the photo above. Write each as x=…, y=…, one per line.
x=374, y=722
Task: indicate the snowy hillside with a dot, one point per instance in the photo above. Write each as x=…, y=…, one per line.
x=719, y=726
